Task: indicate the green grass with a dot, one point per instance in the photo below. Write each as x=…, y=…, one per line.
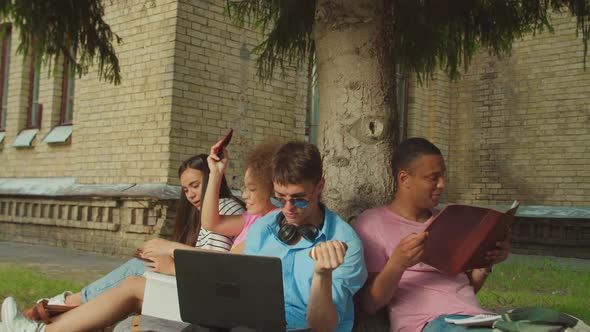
x=542, y=283
x=28, y=284
x=513, y=284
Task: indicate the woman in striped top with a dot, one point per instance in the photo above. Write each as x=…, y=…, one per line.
x=188, y=233
x=214, y=241
x=127, y=296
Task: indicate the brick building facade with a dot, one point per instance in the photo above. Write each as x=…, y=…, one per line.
x=188, y=76
x=513, y=128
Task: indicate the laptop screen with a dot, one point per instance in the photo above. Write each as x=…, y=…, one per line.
x=227, y=290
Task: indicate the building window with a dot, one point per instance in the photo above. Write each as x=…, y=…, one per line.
x=62, y=132
x=34, y=109
x=4, y=64
x=67, y=92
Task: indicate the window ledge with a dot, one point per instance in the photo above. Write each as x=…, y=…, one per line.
x=25, y=138
x=59, y=134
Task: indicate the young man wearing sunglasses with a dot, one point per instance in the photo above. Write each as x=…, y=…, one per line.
x=318, y=292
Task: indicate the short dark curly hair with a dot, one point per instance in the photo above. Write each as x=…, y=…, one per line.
x=410, y=150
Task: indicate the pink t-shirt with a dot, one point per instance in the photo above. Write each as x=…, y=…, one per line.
x=424, y=293
x=249, y=219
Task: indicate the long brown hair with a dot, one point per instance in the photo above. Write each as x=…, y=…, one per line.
x=187, y=223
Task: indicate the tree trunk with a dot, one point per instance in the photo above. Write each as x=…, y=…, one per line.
x=356, y=98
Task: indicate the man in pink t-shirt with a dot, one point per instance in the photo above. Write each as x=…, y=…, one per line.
x=393, y=239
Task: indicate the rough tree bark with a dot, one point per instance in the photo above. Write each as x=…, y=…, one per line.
x=356, y=98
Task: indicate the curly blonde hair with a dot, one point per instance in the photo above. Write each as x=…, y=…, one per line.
x=259, y=163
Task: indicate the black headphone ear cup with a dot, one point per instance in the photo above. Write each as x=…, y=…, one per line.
x=287, y=232
x=308, y=232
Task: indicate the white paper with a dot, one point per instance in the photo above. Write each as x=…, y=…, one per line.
x=478, y=320
x=161, y=297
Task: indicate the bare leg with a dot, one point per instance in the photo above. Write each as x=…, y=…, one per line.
x=104, y=310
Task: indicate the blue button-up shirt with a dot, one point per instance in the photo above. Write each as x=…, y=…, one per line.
x=298, y=270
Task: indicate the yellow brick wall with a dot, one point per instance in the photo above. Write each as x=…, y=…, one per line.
x=521, y=125
x=216, y=87
x=120, y=132
x=429, y=110
x=516, y=128
x=183, y=84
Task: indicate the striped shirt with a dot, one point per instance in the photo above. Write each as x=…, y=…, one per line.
x=214, y=241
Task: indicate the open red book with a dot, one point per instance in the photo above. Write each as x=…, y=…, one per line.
x=460, y=235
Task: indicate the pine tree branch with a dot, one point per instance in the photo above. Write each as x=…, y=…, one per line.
x=421, y=36
x=74, y=28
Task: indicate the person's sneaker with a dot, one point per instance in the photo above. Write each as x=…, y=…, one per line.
x=15, y=321
x=59, y=299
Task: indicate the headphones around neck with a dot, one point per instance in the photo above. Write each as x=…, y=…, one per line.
x=289, y=232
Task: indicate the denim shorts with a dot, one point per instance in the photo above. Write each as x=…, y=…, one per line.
x=133, y=267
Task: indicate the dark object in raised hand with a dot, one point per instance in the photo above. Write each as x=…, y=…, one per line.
x=219, y=150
